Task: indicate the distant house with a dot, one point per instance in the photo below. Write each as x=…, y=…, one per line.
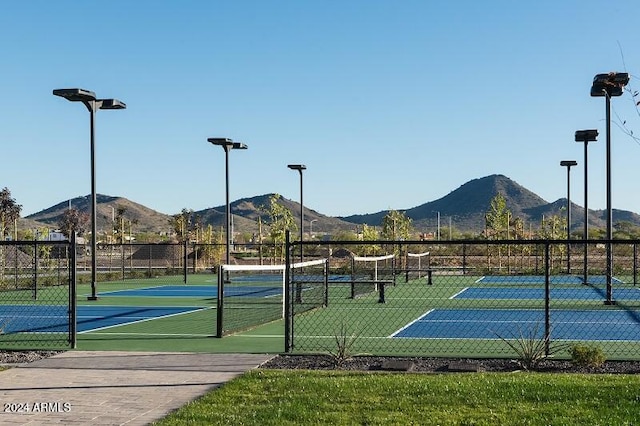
x=59, y=236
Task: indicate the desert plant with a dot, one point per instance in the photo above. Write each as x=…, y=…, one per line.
x=344, y=341
x=587, y=355
x=532, y=346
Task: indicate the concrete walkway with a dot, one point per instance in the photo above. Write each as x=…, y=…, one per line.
x=112, y=388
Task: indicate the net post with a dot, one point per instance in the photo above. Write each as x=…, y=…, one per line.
x=219, y=306
x=381, y=298
x=185, y=260
x=288, y=314
x=353, y=278
x=393, y=270
x=326, y=283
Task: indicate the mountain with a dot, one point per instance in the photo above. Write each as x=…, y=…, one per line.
x=144, y=218
x=464, y=208
x=246, y=211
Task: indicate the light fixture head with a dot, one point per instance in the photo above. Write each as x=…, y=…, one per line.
x=590, y=135
x=568, y=163
x=75, y=95
x=221, y=141
x=298, y=167
x=609, y=84
x=112, y=104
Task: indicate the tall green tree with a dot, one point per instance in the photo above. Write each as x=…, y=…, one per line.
x=279, y=220
x=369, y=233
x=9, y=212
x=213, y=247
x=497, y=219
x=396, y=226
x=497, y=227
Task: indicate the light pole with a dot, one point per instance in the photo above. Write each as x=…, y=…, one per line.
x=93, y=104
x=227, y=145
x=568, y=164
x=608, y=85
x=113, y=221
x=586, y=136
x=311, y=227
x=300, y=168
x=438, y=224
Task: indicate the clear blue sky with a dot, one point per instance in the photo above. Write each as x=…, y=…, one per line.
x=390, y=104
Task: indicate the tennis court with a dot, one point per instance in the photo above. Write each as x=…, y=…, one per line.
x=540, y=279
x=569, y=324
x=55, y=318
x=198, y=291
x=584, y=293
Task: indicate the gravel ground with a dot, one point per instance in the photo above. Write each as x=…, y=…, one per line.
x=22, y=357
x=422, y=364
x=379, y=363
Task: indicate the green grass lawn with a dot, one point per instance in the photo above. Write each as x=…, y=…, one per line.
x=268, y=397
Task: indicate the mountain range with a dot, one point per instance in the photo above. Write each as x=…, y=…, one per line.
x=464, y=208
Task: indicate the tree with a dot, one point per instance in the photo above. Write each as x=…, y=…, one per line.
x=73, y=220
x=497, y=218
x=280, y=220
x=396, y=226
x=497, y=226
x=369, y=233
x=9, y=212
x=212, y=248
x=181, y=224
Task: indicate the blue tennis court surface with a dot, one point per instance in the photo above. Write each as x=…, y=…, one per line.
x=582, y=293
x=55, y=319
x=539, y=279
x=198, y=291
x=623, y=325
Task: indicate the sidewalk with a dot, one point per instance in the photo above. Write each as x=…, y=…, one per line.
x=112, y=388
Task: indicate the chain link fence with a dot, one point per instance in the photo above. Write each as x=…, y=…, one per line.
x=37, y=309
x=472, y=298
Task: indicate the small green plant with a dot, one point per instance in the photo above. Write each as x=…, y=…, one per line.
x=587, y=355
x=532, y=347
x=344, y=342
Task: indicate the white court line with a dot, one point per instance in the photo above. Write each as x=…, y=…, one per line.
x=411, y=323
x=459, y=293
x=142, y=320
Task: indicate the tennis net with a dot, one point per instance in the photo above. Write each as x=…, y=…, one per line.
x=253, y=295
x=368, y=271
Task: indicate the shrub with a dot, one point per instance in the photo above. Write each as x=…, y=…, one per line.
x=344, y=342
x=587, y=355
x=531, y=347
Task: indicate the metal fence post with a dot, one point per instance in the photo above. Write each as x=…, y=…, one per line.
x=547, y=296
x=73, y=313
x=288, y=311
